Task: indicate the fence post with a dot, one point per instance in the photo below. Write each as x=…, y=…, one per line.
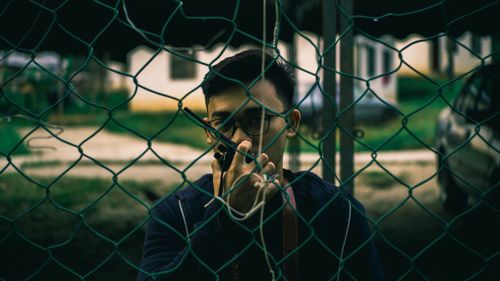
x=329, y=86
x=294, y=143
x=450, y=49
x=495, y=47
x=346, y=120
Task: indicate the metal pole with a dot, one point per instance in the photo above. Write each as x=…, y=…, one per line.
x=346, y=120
x=435, y=57
x=293, y=143
x=450, y=47
x=495, y=45
x=329, y=86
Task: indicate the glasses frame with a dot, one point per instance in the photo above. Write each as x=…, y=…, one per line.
x=267, y=120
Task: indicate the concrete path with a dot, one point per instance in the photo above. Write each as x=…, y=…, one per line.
x=118, y=153
x=101, y=146
x=105, y=146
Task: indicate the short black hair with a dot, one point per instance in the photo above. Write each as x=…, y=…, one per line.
x=245, y=67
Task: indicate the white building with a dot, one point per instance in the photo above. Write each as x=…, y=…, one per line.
x=164, y=79
x=468, y=51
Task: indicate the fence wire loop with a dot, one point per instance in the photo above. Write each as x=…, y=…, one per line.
x=118, y=147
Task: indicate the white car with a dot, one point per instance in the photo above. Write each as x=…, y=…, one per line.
x=468, y=142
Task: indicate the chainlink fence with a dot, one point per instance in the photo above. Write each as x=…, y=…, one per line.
x=93, y=136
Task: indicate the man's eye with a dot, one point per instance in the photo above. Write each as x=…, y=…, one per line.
x=222, y=126
x=215, y=123
x=254, y=120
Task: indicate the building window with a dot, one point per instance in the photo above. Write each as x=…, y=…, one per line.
x=387, y=61
x=183, y=67
x=476, y=45
x=371, y=60
x=359, y=65
x=387, y=66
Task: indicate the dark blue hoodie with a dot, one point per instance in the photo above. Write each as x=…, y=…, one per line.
x=187, y=241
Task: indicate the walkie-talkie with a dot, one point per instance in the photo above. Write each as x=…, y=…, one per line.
x=227, y=147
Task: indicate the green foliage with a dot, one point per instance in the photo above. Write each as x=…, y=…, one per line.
x=9, y=139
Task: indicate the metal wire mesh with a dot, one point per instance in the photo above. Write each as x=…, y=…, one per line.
x=81, y=171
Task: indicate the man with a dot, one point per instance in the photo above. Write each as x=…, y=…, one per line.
x=192, y=236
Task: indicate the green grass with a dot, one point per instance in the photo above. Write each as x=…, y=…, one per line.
x=73, y=194
x=165, y=126
x=177, y=128
x=419, y=102
x=79, y=219
x=380, y=179
x=9, y=141
x=40, y=101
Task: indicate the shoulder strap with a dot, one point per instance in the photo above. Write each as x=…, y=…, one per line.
x=290, y=236
x=290, y=242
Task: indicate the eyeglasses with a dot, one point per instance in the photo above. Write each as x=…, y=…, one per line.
x=249, y=124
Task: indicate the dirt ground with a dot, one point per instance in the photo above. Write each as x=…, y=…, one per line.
x=416, y=240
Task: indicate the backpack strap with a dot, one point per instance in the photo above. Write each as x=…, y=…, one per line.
x=290, y=236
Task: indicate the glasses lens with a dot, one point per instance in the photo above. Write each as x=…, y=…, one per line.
x=252, y=125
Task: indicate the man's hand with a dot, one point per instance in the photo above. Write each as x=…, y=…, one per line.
x=243, y=196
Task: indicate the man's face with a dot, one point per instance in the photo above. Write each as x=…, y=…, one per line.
x=223, y=104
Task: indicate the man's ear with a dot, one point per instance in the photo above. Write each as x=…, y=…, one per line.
x=209, y=138
x=293, y=123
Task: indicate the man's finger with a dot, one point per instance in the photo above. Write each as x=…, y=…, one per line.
x=216, y=166
x=271, y=189
x=262, y=160
x=269, y=169
x=239, y=158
